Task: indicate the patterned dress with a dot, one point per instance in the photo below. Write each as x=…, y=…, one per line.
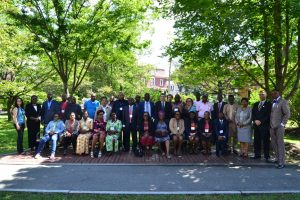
x=83, y=138
x=113, y=138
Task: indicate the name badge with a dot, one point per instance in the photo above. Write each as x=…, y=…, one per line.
x=130, y=116
x=62, y=111
x=221, y=131
x=176, y=109
x=177, y=128
x=112, y=128
x=206, y=130
x=121, y=108
x=192, y=128
x=123, y=125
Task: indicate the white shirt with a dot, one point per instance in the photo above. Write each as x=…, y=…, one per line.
x=203, y=107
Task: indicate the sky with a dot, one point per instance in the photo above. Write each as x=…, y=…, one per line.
x=160, y=37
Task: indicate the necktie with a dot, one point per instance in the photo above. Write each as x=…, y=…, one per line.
x=260, y=106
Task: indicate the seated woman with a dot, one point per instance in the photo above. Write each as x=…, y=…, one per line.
x=85, y=133
x=176, y=126
x=146, y=132
x=99, y=133
x=52, y=132
x=71, y=133
x=162, y=132
x=192, y=132
x=206, y=130
x=113, y=128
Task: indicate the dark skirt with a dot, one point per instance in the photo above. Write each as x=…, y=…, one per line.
x=206, y=139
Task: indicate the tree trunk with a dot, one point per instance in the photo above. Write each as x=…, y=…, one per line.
x=66, y=88
x=10, y=101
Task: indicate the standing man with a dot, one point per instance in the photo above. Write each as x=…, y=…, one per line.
x=111, y=101
x=165, y=106
x=204, y=106
x=33, y=114
x=218, y=107
x=261, y=113
x=229, y=111
x=146, y=106
x=130, y=122
x=105, y=107
x=170, y=98
x=137, y=100
x=119, y=106
x=63, y=107
x=49, y=108
x=279, y=116
x=75, y=108
x=91, y=106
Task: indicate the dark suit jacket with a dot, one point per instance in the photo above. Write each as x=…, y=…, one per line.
x=216, y=111
x=31, y=112
x=48, y=114
x=118, y=108
x=218, y=127
x=76, y=108
x=262, y=115
x=142, y=109
x=126, y=117
x=201, y=126
x=167, y=109
x=187, y=128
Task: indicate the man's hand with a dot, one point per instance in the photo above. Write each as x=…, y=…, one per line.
x=18, y=127
x=68, y=134
x=257, y=122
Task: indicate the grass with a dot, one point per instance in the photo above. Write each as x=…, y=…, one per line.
x=8, y=136
x=46, y=196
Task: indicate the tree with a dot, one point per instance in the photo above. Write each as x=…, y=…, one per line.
x=73, y=33
x=257, y=39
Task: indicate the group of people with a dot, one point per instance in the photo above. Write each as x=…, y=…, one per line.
x=109, y=125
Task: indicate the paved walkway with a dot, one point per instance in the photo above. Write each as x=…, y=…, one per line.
x=133, y=179
x=129, y=158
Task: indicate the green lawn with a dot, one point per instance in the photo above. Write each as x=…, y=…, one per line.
x=8, y=136
x=35, y=196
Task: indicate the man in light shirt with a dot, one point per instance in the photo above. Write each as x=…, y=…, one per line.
x=204, y=106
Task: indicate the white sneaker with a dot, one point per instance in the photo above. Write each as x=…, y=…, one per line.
x=37, y=156
x=99, y=154
x=52, y=157
x=92, y=154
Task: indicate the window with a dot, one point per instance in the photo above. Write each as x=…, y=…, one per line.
x=152, y=81
x=161, y=82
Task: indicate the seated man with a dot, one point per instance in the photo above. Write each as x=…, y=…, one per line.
x=221, y=134
x=52, y=132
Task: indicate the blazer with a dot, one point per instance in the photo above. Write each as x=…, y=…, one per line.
x=76, y=108
x=187, y=128
x=280, y=113
x=221, y=129
x=263, y=115
x=167, y=109
x=142, y=109
x=173, y=126
x=118, y=108
x=244, y=120
x=31, y=112
x=216, y=111
x=126, y=116
x=201, y=126
x=48, y=114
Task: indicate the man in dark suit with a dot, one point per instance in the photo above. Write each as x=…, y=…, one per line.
x=73, y=107
x=49, y=108
x=163, y=105
x=261, y=112
x=218, y=107
x=119, y=105
x=221, y=134
x=130, y=122
x=146, y=106
x=33, y=114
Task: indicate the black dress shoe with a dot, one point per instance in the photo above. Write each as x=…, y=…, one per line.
x=280, y=166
